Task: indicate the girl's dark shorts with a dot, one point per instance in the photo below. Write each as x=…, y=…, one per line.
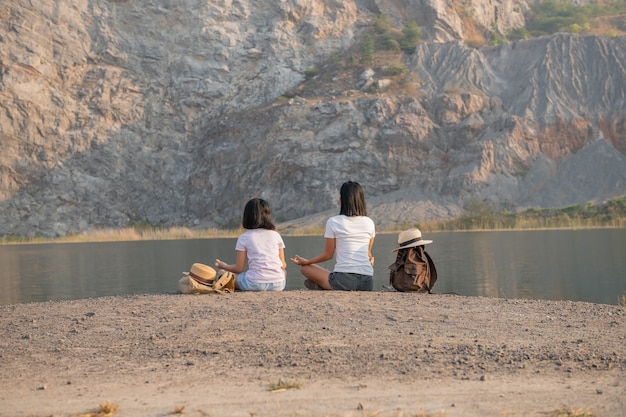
x=346, y=281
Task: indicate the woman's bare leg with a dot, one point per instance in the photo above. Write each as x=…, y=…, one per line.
x=317, y=274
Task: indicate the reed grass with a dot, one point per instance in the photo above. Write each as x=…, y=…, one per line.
x=478, y=216
x=127, y=234
x=302, y=231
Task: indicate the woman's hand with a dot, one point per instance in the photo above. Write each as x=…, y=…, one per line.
x=219, y=264
x=329, y=252
x=299, y=260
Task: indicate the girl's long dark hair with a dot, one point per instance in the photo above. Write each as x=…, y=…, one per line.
x=352, y=199
x=257, y=215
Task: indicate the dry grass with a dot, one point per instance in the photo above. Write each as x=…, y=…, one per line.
x=178, y=409
x=377, y=414
x=104, y=410
x=573, y=413
x=385, y=58
x=283, y=385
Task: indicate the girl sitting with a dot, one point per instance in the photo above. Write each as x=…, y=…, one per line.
x=264, y=249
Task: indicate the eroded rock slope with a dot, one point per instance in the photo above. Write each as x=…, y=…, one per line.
x=177, y=112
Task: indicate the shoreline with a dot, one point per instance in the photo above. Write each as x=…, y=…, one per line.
x=351, y=354
x=132, y=235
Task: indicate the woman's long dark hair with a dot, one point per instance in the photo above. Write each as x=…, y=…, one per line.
x=257, y=215
x=352, y=199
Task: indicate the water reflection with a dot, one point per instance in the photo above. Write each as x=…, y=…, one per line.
x=586, y=265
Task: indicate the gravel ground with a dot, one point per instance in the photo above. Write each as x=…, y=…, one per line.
x=348, y=354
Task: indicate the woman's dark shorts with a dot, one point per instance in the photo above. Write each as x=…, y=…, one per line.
x=345, y=281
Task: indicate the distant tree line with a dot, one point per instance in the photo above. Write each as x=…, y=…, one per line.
x=479, y=215
x=552, y=16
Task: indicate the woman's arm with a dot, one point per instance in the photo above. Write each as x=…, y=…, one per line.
x=236, y=268
x=329, y=252
x=369, y=251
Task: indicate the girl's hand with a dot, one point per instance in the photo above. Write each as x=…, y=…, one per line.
x=219, y=264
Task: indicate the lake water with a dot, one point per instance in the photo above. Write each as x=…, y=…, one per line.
x=577, y=265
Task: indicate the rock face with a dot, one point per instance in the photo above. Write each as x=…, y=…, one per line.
x=178, y=112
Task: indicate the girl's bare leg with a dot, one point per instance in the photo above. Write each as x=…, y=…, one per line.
x=317, y=274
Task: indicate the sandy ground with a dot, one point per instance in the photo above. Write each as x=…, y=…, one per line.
x=351, y=354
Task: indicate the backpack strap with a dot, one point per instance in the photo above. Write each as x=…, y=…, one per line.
x=221, y=282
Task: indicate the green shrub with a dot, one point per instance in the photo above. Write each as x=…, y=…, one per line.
x=310, y=73
x=517, y=34
x=367, y=50
x=575, y=28
x=412, y=34
x=372, y=89
x=382, y=23
x=391, y=44
x=395, y=69
x=496, y=39
x=388, y=38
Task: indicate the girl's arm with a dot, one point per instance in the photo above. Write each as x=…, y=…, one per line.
x=236, y=268
x=329, y=252
x=281, y=255
x=369, y=251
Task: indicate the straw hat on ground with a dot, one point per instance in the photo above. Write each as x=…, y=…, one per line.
x=411, y=238
x=201, y=272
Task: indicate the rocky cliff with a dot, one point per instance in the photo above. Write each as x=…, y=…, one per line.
x=177, y=112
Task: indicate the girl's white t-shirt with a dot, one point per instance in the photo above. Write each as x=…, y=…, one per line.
x=261, y=247
x=352, y=236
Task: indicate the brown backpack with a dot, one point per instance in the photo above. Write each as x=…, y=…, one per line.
x=413, y=270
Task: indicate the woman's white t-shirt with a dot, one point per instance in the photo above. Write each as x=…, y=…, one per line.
x=261, y=247
x=352, y=236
